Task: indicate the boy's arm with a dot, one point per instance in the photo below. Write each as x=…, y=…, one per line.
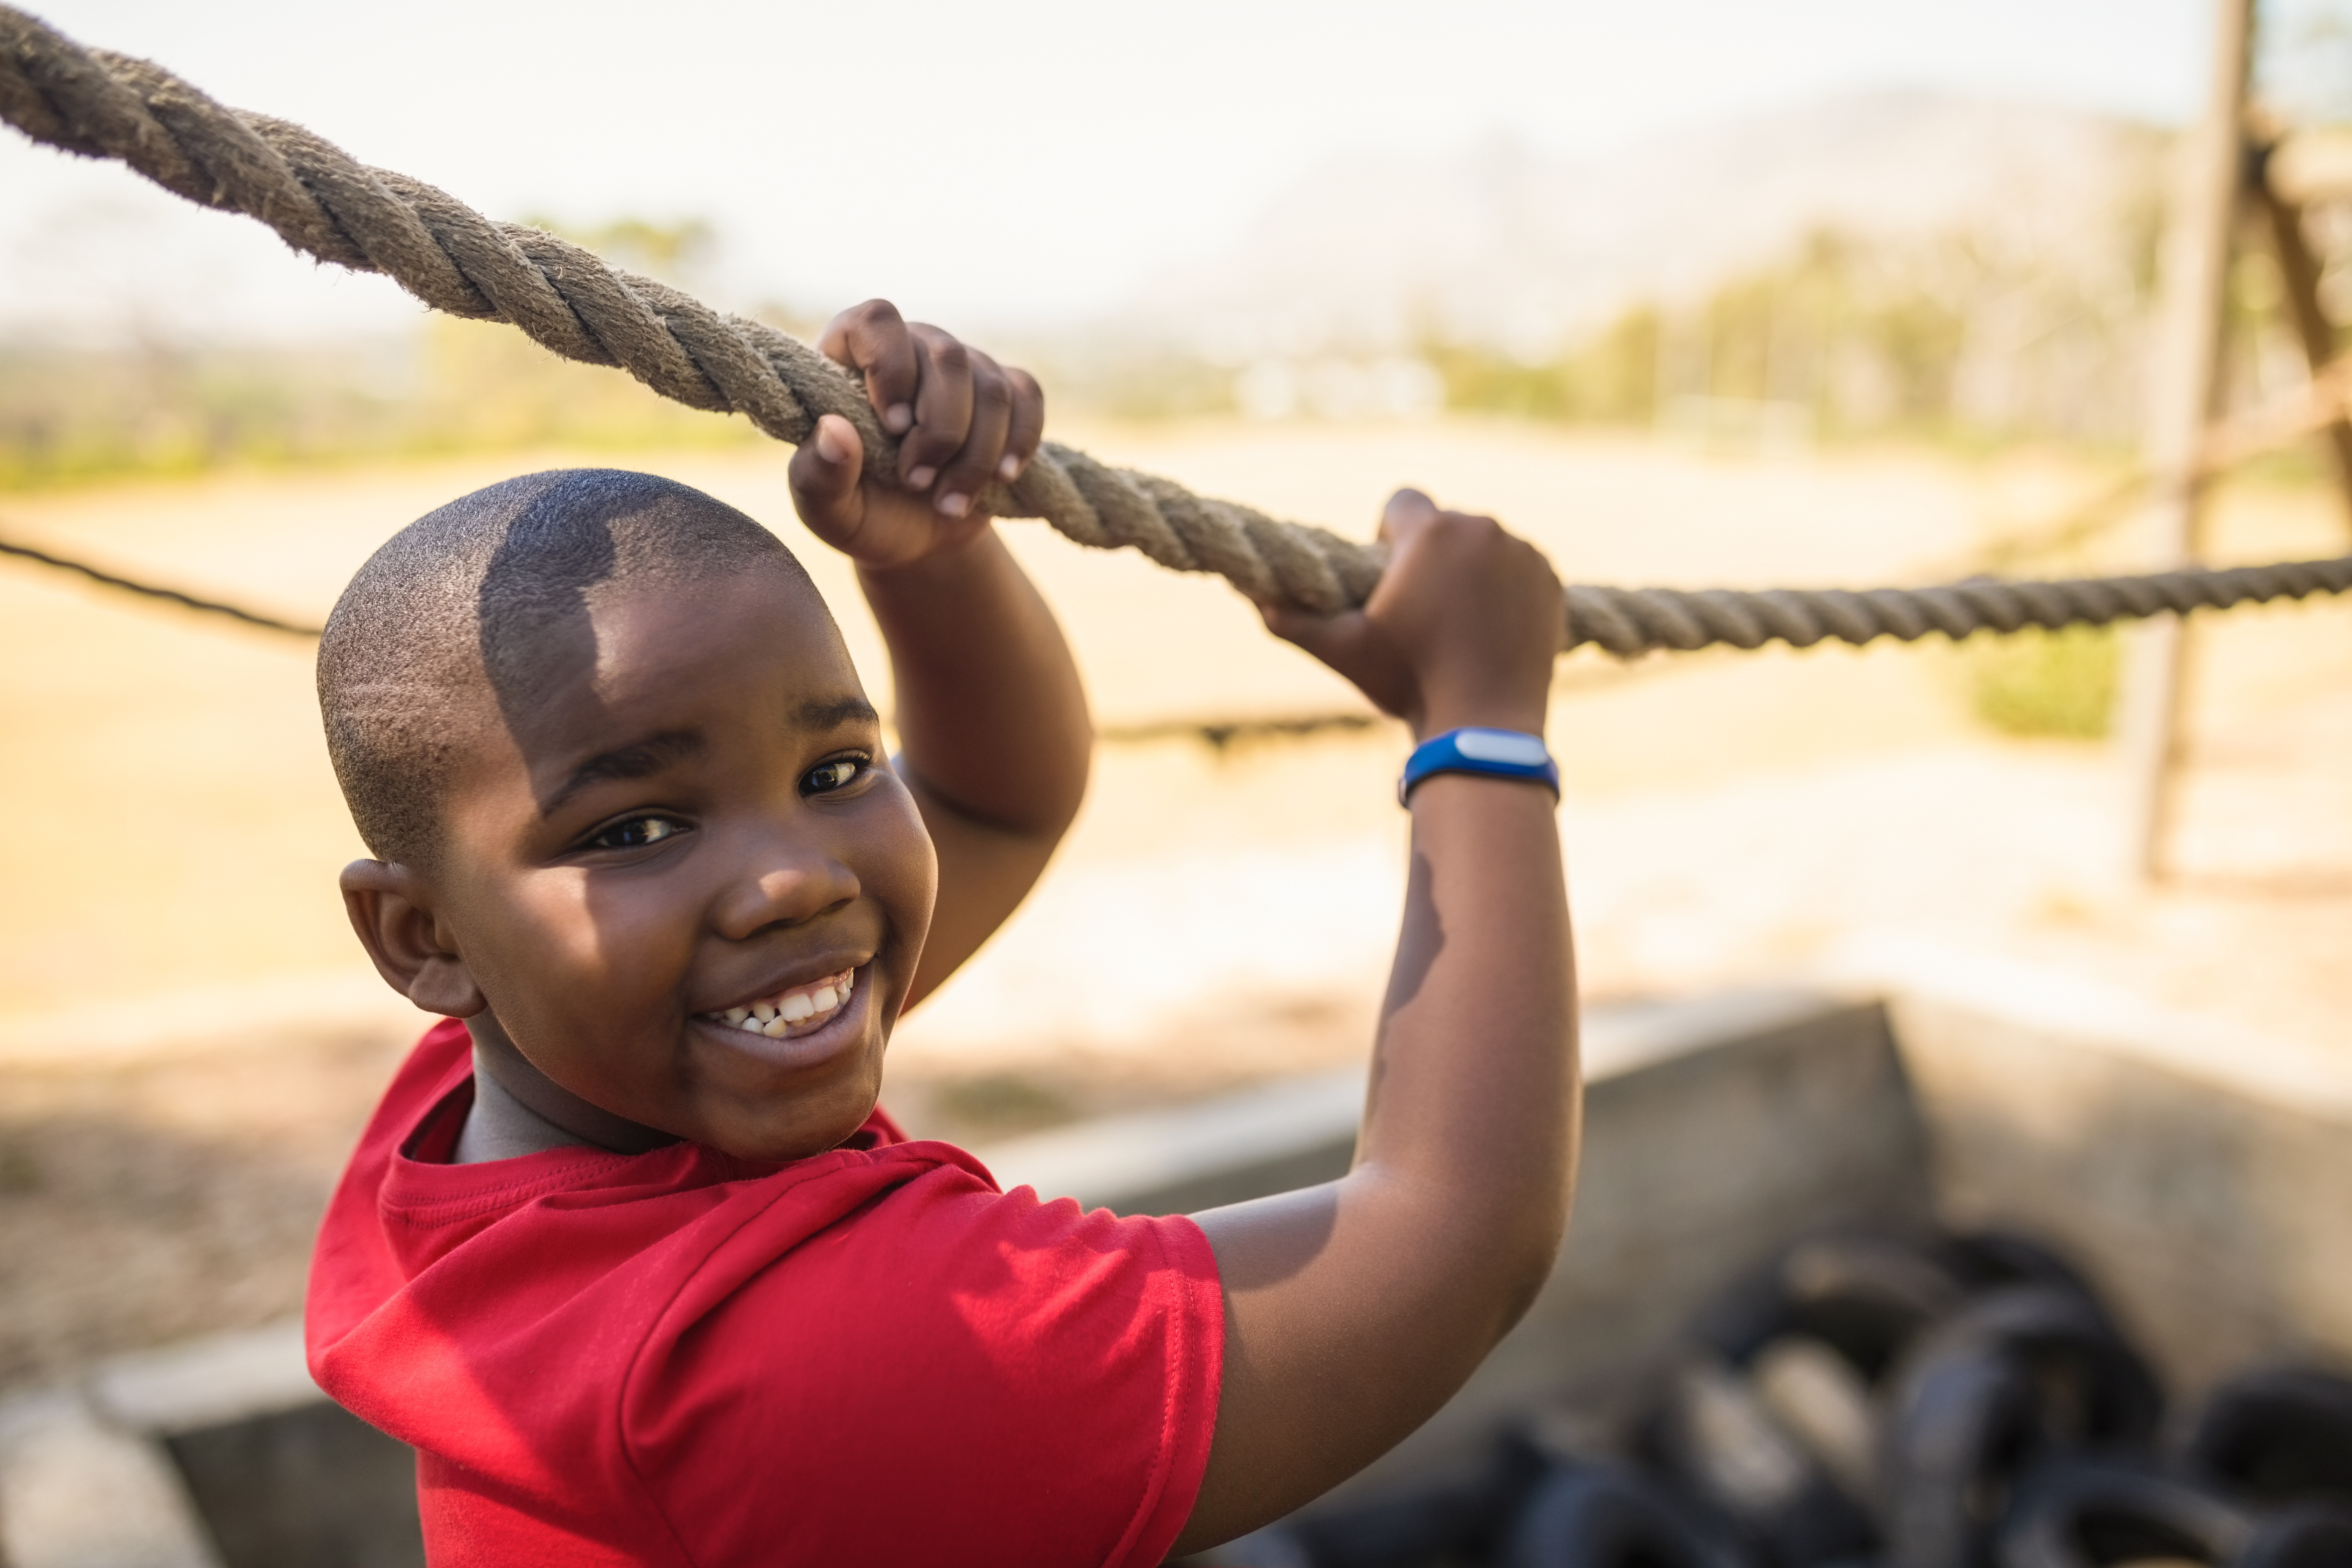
x=995, y=739
x=1355, y=1309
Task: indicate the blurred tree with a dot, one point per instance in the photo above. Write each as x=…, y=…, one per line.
x=680, y=253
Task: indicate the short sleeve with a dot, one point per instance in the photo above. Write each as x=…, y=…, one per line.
x=948, y=1373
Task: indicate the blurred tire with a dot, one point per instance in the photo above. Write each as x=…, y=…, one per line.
x=2094, y=1390
x=2091, y=1513
x=1864, y=1291
x=1820, y=1399
x=1961, y=1429
x=1273, y=1547
x=2306, y=1537
x=1991, y=1260
x=2276, y=1436
x=1868, y=1291
x=1454, y=1520
x=1598, y=1517
x=1718, y=1443
x=2018, y=1375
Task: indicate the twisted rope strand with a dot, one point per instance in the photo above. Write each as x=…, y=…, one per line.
x=327, y=205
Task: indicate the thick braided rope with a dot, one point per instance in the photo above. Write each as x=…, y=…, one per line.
x=1631, y=620
x=327, y=205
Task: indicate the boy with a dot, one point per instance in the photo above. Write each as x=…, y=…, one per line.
x=629, y=1253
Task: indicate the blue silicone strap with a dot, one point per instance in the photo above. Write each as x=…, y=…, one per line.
x=1495, y=754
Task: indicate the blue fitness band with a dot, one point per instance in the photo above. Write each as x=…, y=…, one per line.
x=1496, y=754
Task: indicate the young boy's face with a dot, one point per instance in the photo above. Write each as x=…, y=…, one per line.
x=692, y=816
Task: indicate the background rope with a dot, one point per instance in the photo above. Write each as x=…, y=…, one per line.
x=150, y=589
x=327, y=205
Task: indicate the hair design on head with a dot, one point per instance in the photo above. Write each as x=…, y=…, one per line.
x=493, y=590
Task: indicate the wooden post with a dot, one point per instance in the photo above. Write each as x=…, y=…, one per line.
x=2184, y=386
x=2299, y=276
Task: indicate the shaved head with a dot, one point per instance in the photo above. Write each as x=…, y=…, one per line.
x=471, y=612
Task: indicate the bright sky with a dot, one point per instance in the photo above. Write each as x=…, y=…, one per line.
x=980, y=163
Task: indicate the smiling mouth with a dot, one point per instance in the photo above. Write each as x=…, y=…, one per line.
x=797, y=1011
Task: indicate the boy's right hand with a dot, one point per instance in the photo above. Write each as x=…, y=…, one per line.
x=964, y=420
x=1462, y=628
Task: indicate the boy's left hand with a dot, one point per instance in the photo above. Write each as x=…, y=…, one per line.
x=963, y=418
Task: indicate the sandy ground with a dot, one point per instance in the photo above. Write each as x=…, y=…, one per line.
x=188, y=1043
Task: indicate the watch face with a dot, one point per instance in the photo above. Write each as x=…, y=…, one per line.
x=1501, y=746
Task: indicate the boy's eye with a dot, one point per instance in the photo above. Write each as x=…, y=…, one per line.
x=637, y=832
x=826, y=777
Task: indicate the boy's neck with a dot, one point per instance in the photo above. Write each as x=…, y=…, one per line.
x=502, y=1126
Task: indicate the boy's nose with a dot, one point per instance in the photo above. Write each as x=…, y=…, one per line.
x=785, y=886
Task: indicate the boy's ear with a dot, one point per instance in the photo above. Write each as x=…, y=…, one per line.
x=387, y=906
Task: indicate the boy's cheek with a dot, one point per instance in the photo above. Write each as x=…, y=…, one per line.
x=904, y=878
x=574, y=963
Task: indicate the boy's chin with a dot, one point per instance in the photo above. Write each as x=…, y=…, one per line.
x=790, y=1097
x=811, y=1118
x=808, y=1129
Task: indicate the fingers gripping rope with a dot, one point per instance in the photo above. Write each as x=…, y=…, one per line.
x=327, y=205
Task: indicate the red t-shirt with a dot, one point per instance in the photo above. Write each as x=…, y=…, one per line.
x=871, y=1355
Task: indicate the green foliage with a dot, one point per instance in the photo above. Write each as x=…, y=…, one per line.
x=1612, y=379
x=675, y=252
x=2039, y=683
x=73, y=416
x=69, y=416
x=1844, y=338
x=1934, y=337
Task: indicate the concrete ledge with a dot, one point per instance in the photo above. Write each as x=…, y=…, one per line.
x=78, y=1491
x=215, y=1453
x=209, y=1382
x=2201, y=1173
x=1299, y=1131
x=1269, y=1139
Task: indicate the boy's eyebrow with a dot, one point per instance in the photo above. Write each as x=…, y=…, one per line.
x=634, y=761
x=640, y=759
x=831, y=713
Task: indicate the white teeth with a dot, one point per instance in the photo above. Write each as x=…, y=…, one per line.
x=773, y=1018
